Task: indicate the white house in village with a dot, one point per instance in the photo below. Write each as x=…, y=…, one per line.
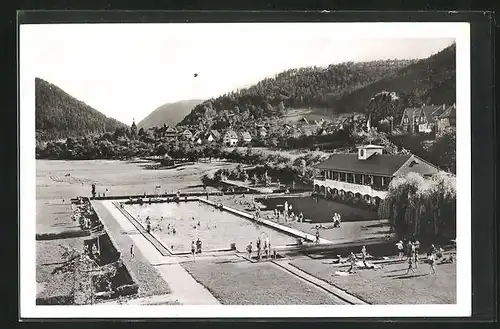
x=198, y=138
x=212, y=136
x=187, y=134
x=245, y=137
x=230, y=138
x=366, y=174
x=262, y=132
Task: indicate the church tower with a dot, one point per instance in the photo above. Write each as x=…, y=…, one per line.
x=133, y=129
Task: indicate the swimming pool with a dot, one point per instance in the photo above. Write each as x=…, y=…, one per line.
x=217, y=229
x=319, y=210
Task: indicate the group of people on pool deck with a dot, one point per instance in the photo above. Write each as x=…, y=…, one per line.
x=196, y=248
x=262, y=247
x=287, y=214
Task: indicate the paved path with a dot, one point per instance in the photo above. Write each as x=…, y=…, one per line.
x=344, y=296
x=184, y=288
x=149, y=300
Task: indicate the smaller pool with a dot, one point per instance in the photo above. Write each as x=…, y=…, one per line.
x=320, y=210
x=216, y=229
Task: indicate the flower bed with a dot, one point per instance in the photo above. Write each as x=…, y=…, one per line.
x=390, y=285
x=243, y=283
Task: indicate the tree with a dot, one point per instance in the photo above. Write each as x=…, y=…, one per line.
x=444, y=151
x=244, y=176
x=255, y=179
x=85, y=274
x=423, y=206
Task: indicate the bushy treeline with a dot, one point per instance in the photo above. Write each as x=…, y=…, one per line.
x=60, y=115
x=123, y=144
x=423, y=206
x=269, y=167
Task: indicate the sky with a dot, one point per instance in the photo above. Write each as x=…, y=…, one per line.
x=127, y=70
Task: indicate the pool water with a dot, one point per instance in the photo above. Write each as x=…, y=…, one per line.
x=217, y=229
x=320, y=210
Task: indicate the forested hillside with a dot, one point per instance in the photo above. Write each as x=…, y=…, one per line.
x=428, y=81
x=169, y=114
x=296, y=88
x=342, y=88
x=60, y=115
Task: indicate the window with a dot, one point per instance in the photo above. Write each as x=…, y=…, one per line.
x=405, y=119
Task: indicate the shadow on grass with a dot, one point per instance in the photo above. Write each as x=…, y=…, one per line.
x=230, y=261
x=392, y=271
x=62, y=212
x=375, y=225
x=195, y=186
x=408, y=276
x=64, y=224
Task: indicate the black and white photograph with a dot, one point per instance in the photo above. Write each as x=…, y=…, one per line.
x=245, y=170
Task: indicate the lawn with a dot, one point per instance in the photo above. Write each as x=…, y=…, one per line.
x=54, y=216
x=243, y=283
x=48, y=257
x=390, y=285
x=119, y=177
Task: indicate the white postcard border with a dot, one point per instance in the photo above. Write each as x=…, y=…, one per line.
x=28, y=308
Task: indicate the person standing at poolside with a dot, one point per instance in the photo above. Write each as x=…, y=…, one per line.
x=317, y=235
x=400, y=247
x=410, y=265
x=432, y=262
x=258, y=248
x=352, y=261
x=193, y=250
x=249, y=250
x=132, y=251
x=363, y=255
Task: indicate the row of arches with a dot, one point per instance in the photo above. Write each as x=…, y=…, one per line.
x=335, y=193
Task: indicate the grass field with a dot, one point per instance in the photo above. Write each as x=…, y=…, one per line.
x=244, y=283
x=391, y=285
x=49, y=256
x=119, y=177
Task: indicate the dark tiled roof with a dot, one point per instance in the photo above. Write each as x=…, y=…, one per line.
x=378, y=164
x=215, y=134
x=231, y=134
x=246, y=135
x=428, y=110
x=419, y=166
x=439, y=110
x=450, y=112
x=409, y=113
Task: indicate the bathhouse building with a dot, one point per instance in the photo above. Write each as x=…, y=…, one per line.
x=367, y=173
